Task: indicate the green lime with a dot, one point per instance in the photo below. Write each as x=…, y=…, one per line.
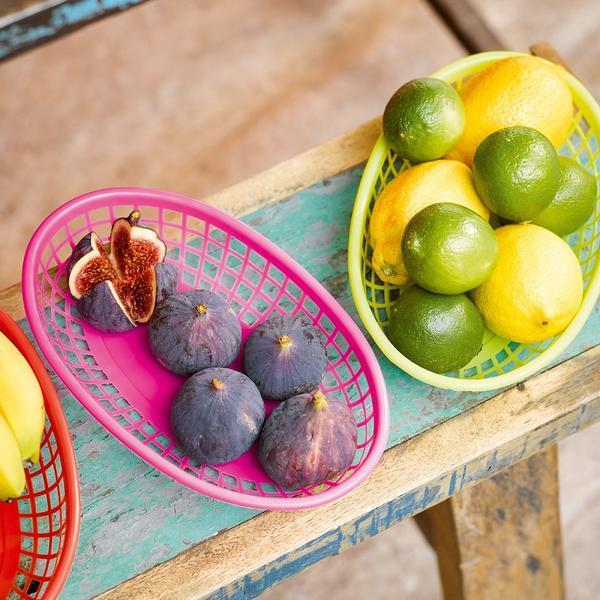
x=449, y=249
x=574, y=201
x=424, y=119
x=516, y=172
x=438, y=332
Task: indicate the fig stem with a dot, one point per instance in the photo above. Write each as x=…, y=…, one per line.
x=134, y=217
x=284, y=341
x=319, y=400
x=217, y=384
x=201, y=309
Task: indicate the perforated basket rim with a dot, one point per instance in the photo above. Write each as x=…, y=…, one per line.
x=180, y=202
x=62, y=435
x=461, y=68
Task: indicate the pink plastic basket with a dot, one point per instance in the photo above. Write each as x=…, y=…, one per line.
x=120, y=383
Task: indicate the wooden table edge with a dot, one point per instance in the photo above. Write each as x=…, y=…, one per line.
x=231, y=558
x=411, y=477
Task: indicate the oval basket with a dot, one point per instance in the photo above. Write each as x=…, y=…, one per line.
x=39, y=530
x=500, y=362
x=119, y=382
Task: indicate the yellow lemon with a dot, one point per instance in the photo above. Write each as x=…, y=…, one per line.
x=535, y=289
x=520, y=90
x=411, y=191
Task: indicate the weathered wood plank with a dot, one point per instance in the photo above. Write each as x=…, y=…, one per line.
x=501, y=538
x=32, y=24
x=571, y=27
x=467, y=25
x=172, y=98
x=425, y=470
x=9, y=8
x=164, y=519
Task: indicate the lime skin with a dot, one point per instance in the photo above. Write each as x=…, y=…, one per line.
x=423, y=120
x=438, y=332
x=449, y=249
x=516, y=172
x=574, y=201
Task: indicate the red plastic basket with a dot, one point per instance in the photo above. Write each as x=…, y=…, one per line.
x=39, y=531
x=121, y=384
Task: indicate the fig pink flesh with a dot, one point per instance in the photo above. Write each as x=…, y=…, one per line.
x=129, y=266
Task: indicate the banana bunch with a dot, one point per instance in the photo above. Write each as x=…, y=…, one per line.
x=22, y=418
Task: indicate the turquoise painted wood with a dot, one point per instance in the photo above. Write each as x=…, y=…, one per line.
x=40, y=26
x=369, y=524
x=134, y=517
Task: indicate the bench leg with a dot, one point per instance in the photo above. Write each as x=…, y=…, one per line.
x=500, y=539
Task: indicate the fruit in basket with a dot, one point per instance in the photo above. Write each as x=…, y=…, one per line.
x=12, y=475
x=436, y=331
x=125, y=275
x=535, y=289
x=516, y=172
x=519, y=90
x=307, y=440
x=217, y=415
x=574, y=201
x=449, y=249
x=166, y=281
x=97, y=307
x=424, y=119
x=21, y=400
x=411, y=191
x=194, y=330
x=285, y=356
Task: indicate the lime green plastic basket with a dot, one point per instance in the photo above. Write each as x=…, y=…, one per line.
x=500, y=362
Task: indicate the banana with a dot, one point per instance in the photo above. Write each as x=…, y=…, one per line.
x=12, y=475
x=21, y=400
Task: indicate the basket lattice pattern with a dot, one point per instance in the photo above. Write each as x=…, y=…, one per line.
x=497, y=356
x=208, y=255
x=42, y=521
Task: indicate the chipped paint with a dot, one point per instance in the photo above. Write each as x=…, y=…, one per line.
x=134, y=517
x=39, y=27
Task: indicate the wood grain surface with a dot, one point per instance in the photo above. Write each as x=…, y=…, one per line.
x=109, y=114
x=25, y=24
x=573, y=28
x=162, y=519
x=422, y=472
x=196, y=98
x=501, y=538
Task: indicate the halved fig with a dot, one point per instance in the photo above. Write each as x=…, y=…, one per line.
x=117, y=287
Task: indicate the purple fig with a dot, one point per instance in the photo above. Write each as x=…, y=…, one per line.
x=285, y=356
x=217, y=415
x=306, y=440
x=194, y=330
x=166, y=281
x=126, y=275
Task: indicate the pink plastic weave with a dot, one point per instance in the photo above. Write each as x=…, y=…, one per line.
x=121, y=384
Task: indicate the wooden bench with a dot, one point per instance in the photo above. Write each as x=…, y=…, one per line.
x=477, y=470
x=500, y=535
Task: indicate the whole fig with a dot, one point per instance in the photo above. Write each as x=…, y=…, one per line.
x=285, y=356
x=217, y=415
x=194, y=330
x=306, y=440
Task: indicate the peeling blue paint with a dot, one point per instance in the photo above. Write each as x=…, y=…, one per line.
x=120, y=493
x=54, y=21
